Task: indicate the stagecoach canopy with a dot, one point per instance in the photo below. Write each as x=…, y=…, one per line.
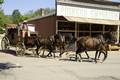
x=10, y=26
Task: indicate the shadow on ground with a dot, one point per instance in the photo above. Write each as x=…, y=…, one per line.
x=73, y=59
x=12, y=52
x=8, y=65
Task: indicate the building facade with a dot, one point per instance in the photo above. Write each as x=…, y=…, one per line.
x=81, y=18
x=87, y=17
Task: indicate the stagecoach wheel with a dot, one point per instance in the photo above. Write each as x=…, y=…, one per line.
x=20, y=49
x=5, y=44
x=101, y=56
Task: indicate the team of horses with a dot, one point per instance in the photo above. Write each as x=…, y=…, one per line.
x=84, y=44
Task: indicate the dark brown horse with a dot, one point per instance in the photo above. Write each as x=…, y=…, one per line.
x=44, y=44
x=56, y=43
x=95, y=43
x=89, y=43
x=62, y=42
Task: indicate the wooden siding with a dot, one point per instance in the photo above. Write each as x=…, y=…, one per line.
x=45, y=26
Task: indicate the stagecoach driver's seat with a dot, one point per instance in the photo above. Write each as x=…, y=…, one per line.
x=24, y=30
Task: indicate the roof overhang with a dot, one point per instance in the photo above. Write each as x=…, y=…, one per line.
x=41, y=17
x=94, y=21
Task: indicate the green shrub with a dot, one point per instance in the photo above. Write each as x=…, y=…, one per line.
x=2, y=31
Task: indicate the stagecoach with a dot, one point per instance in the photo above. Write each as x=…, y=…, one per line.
x=23, y=36
x=15, y=38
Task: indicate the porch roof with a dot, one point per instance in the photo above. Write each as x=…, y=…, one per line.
x=94, y=21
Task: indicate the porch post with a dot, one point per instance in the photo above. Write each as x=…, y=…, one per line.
x=103, y=29
x=76, y=35
x=90, y=33
x=56, y=26
x=118, y=35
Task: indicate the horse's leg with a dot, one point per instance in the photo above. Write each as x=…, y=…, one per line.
x=43, y=52
x=104, y=54
x=37, y=49
x=53, y=54
x=76, y=57
x=49, y=54
x=87, y=54
x=99, y=54
x=78, y=52
x=80, y=57
x=96, y=56
x=61, y=51
x=103, y=57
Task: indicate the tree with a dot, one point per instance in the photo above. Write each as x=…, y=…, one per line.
x=16, y=16
x=38, y=12
x=8, y=19
x=44, y=11
x=29, y=15
x=1, y=1
x=48, y=10
x=2, y=19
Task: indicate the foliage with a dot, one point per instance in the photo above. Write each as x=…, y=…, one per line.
x=28, y=15
x=38, y=12
x=1, y=1
x=8, y=19
x=48, y=10
x=2, y=21
x=16, y=17
x=2, y=31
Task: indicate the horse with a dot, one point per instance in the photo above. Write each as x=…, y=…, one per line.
x=57, y=42
x=99, y=44
x=90, y=43
x=51, y=44
x=69, y=40
x=48, y=44
x=43, y=44
x=62, y=42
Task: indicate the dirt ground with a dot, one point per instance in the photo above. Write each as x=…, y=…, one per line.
x=31, y=68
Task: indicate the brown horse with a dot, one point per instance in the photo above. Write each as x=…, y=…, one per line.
x=89, y=43
x=99, y=44
x=44, y=44
x=56, y=43
x=62, y=42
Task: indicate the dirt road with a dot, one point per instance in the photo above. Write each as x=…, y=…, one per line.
x=30, y=68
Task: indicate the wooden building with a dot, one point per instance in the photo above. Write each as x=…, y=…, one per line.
x=80, y=17
x=44, y=25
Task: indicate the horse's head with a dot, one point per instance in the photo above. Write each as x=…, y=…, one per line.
x=69, y=39
x=110, y=37
x=101, y=38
